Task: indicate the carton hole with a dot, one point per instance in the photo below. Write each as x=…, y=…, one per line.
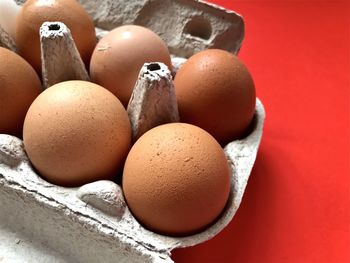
x=153, y=67
x=198, y=27
x=54, y=27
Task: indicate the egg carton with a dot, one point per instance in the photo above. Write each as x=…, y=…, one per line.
x=42, y=222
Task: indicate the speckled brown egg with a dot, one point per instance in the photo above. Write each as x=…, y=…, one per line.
x=216, y=92
x=77, y=132
x=35, y=12
x=19, y=86
x=119, y=56
x=176, y=179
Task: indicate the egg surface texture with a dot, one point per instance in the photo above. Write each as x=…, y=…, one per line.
x=216, y=92
x=35, y=12
x=119, y=56
x=176, y=179
x=19, y=86
x=76, y=132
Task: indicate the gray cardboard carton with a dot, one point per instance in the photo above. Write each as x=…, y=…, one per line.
x=42, y=222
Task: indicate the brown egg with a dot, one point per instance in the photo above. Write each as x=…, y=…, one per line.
x=176, y=179
x=19, y=86
x=77, y=132
x=35, y=12
x=119, y=56
x=216, y=92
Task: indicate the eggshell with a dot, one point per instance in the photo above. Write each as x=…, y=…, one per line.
x=19, y=86
x=119, y=56
x=35, y=12
x=176, y=179
x=77, y=132
x=8, y=12
x=216, y=92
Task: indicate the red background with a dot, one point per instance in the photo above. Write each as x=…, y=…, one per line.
x=296, y=205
